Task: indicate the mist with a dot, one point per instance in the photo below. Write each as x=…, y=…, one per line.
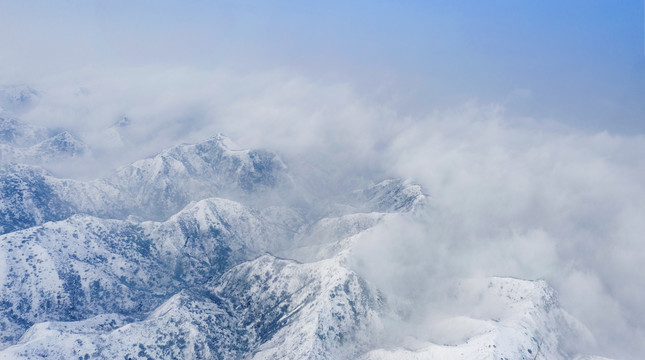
x=508, y=196
x=522, y=123
x=510, y=199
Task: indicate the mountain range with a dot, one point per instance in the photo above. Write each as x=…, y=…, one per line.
x=213, y=251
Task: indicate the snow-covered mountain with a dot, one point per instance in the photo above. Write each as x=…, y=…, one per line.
x=17, y=98
x=18, y=133
x=161, y=185
x=21, y=142
x=28, y=198
x=211, y=251
x=153, y=188
x=59, y=147
x=266, y=308
x=85, y=265
x=505, y=318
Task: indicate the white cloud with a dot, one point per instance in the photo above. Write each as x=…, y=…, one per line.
x=509, y=197
x=532, y=203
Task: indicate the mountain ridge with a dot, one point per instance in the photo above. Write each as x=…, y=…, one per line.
x=171, y=257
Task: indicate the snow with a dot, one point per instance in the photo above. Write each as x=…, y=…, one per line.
x=171, y=257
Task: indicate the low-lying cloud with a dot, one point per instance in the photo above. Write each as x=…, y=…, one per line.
x=508, y=197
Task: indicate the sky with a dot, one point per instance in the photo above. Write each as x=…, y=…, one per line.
x=524, y=121
x=577, y=62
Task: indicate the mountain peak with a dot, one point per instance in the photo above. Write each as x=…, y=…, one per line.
x=17, y=98
x=104, y=269
x=63, y=143
x=225, y=142
x=16, y=132
x=123, y=122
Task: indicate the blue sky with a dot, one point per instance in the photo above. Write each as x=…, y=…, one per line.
x=581, y=63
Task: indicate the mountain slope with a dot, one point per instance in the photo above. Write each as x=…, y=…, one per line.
x=153, y=188
x=17, y=98
x=496, y=318
x=85, y=266
x=62, y=146
x=170, y=258
x=256, y=310
x=28, y=197
x=159, y=186
x=15, y=132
